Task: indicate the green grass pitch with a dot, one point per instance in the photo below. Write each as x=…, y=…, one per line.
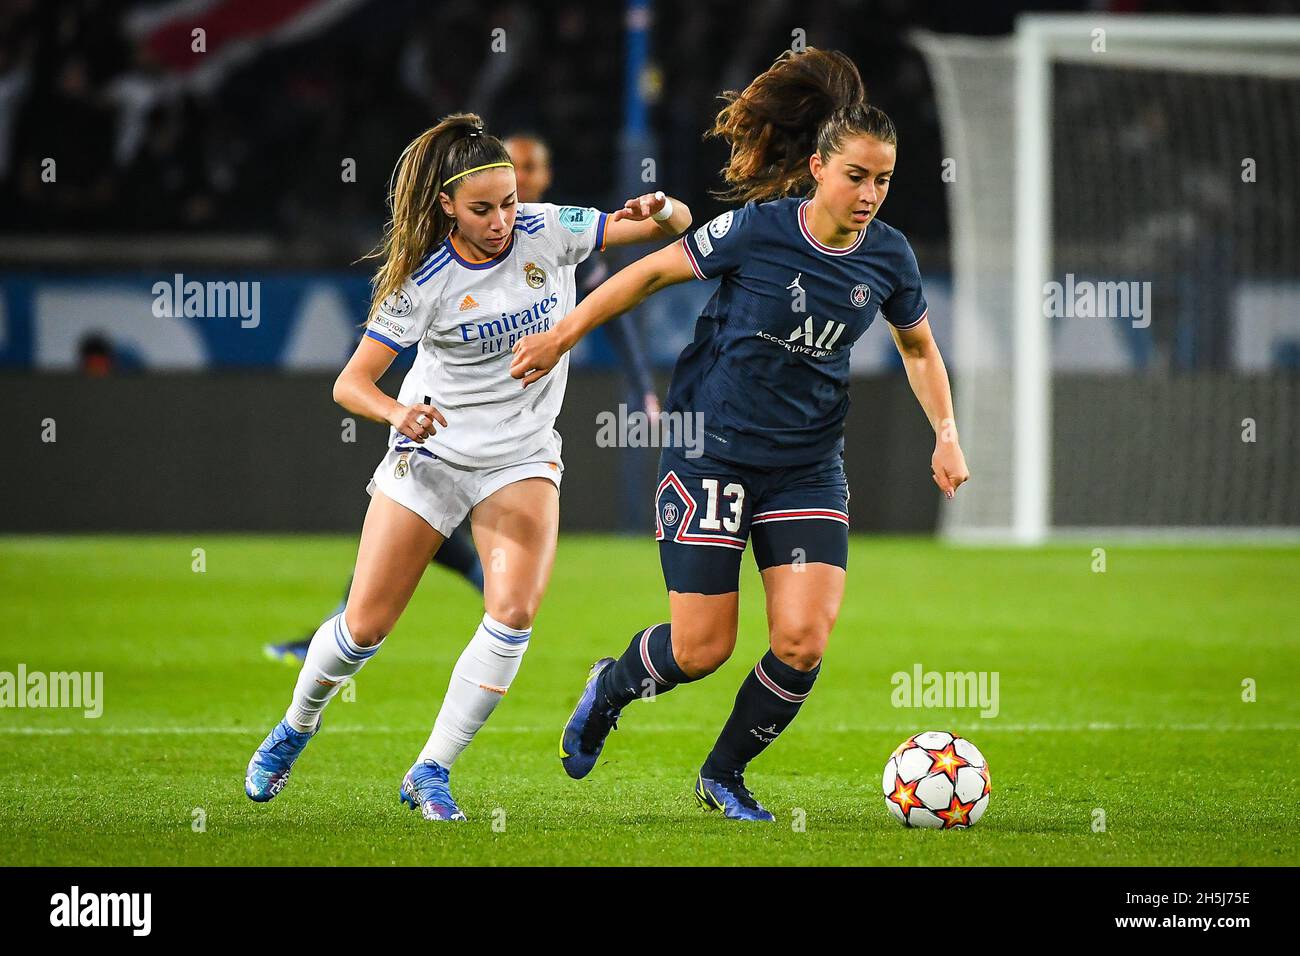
x=1119, y=691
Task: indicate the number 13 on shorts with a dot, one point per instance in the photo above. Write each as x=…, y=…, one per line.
x=691, y=509
x=734, y=493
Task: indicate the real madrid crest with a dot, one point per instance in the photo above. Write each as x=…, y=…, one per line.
x=403, y=465
x=535, y=276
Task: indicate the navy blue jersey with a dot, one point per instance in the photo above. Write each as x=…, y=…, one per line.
x=769, y=365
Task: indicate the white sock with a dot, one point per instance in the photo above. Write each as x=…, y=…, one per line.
x=478, y=682
x=332, y=657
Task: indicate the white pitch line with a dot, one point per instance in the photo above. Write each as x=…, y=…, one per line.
x=660, y=729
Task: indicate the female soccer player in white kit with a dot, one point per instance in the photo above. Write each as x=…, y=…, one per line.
x=467, y=273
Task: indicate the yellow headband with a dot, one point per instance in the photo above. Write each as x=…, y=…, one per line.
x=475, y=170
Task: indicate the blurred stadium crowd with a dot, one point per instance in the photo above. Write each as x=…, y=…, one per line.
x=250, y=135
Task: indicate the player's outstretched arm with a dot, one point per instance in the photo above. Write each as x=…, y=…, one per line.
x=928, y=377
x=535, y=355
x=355, y=390
x=635, y=222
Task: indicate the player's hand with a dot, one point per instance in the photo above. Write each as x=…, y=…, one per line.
x=640, y=208
x=416, y=421
x=948, y=466
x=535, y=355
x=651, y=403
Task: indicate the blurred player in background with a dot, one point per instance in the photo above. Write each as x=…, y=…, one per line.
x=467, y=271
x=768, y=374
x=532, y=160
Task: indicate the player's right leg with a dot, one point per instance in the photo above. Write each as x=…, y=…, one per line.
x=396, y=545
x=700, y=552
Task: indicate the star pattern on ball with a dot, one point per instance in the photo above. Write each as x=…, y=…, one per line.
x=904, y=795
x=908, y=744
x=957, y=814
x=947, y=762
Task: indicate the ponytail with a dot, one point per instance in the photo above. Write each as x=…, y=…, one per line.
x=803, y=103
x=457, y=145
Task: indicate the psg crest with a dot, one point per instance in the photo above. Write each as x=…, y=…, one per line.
x=860, y=295
x=670, y=514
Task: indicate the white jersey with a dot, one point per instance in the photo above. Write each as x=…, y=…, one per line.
x=467, y=315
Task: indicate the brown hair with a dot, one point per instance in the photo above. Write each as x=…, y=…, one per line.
x=418, y=222
x=804, y=102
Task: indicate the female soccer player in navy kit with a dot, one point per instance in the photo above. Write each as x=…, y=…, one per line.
x=768, y=371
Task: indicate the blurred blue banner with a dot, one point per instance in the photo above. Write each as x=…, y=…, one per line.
x=294, y=321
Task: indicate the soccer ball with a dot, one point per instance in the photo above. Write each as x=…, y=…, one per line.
x=937, y=780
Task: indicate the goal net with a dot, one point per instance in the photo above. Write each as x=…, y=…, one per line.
x=1126, y=274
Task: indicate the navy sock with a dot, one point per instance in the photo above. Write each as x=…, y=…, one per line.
x=646, y=664
x=458, y=554
x=768, y=700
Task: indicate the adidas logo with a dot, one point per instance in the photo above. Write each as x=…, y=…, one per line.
x=468, y=303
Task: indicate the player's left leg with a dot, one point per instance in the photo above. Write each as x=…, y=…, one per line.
x=515, y=529
x=802, y=604
x=800, y=540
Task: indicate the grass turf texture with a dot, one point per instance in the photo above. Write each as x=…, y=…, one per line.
x=1119, y=690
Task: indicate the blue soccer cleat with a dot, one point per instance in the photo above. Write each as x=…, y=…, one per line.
x=292, y=653
x=731, y=796
x=588, y=726
x=426, y=787
x=268, y=771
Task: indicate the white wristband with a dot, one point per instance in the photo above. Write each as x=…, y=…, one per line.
x=665, y=213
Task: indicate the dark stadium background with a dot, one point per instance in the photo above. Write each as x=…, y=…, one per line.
x=235, y=175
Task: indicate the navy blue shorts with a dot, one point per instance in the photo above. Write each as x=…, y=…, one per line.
x=706, y=509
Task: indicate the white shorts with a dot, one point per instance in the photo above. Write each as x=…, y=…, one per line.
x=443, y=493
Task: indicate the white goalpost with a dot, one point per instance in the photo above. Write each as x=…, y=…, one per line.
x=1125, y=217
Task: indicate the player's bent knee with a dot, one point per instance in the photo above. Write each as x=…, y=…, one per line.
x=801, y=659
x=701, y=658
x=800, y=644
x=516, y=614
x=366, y=628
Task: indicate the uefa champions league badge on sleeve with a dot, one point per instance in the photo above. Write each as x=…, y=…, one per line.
x=577, y=218
x=398, y=304
x=719, y=226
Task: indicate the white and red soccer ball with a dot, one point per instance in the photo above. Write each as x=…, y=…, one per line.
x=937, y=780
